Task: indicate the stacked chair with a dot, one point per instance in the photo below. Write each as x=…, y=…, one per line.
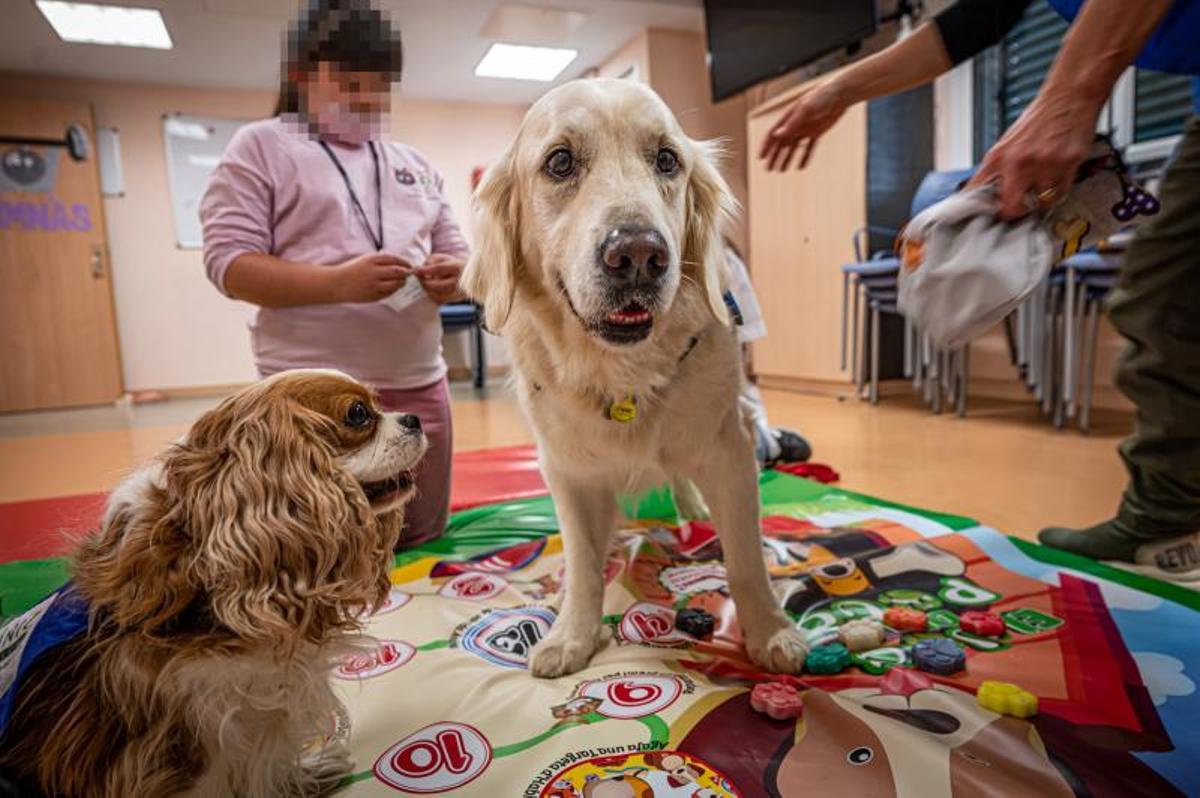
x=870, y=287
x=1057, y=334
x=1053, y=336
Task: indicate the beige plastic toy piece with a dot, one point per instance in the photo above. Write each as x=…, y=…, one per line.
x=862, y=634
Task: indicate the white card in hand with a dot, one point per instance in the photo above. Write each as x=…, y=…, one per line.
x=408, y=294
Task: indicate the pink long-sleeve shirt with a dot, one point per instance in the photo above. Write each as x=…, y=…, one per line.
x=277, y=192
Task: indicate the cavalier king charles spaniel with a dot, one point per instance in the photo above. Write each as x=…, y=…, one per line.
x=227, y=580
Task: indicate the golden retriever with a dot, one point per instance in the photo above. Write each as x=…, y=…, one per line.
x=598, y=253
x=228, y=579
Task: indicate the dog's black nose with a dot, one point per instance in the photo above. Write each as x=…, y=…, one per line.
x=635, y=254
x=410, y=421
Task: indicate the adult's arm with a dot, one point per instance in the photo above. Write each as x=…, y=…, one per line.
x=1039, y=154
x=953, y=36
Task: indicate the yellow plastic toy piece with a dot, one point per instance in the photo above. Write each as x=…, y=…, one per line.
x=1007, y=699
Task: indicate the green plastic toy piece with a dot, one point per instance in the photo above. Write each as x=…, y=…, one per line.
x=830, y=658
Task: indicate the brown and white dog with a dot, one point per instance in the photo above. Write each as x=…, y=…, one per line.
x=598, y=253
x=226, y=581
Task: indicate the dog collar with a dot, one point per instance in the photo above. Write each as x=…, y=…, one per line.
x=625, y=410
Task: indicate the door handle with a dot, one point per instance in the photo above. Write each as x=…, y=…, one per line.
x=98, y=261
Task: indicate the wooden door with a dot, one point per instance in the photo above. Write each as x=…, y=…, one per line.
x=58, y=339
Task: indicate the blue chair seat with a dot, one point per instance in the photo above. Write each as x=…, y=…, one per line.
x=459, y=314
x=468, y=316
x=1092, y=261
x=873, y=268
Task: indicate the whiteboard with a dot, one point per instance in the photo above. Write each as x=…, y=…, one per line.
x=194, y=147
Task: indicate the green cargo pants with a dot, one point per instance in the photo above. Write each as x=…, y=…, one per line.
x=1156, y=307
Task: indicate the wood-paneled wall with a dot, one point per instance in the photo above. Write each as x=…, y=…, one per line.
x=801, y=224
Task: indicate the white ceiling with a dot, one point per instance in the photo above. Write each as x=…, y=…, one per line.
x=236, y=43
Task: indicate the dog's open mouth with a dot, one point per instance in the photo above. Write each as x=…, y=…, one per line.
x=385, y=491
x=630, y=324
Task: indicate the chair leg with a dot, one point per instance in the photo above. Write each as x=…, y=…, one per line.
x=855, y=355
x=1010, y=337
x=480, y=357
x=935, y=381
x=1068, y=347
x=845, y=313
x=918, y=349
x=1037, y=339
x=1047, y=364
x=1021, y=356
x=964, y=367
x=929, y=358
x=1089, y=368
x=908, y=359
x=1077, y=348
x=1058, y=368
x=875, y=314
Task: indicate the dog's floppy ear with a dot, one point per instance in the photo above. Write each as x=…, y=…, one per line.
x=276, y=537
x=135, y=570
x=710, y=206
x=490, y=277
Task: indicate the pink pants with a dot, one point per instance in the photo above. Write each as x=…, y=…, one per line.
x=425, y=517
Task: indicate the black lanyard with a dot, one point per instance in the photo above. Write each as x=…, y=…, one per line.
x=362, y=214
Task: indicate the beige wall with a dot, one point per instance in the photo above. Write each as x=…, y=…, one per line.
x=175, y=330
x=632, y=60
x=456, y=137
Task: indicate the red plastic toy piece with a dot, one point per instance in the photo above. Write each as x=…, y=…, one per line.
x=984, y=624
x=903, y=619
x=777, y=700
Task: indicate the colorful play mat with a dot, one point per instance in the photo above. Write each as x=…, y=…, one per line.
x=445, y=705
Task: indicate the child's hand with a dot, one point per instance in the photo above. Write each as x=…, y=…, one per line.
x=439, y=277
x=369, y=278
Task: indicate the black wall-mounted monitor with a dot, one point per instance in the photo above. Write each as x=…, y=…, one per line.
x=752, y=40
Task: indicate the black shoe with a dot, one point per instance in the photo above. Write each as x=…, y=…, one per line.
x=792, y=447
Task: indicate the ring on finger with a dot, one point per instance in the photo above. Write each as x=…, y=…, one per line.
x=1047, y=196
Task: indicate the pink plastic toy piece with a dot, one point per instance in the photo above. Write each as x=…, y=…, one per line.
x=777, y=700
x=905, y=682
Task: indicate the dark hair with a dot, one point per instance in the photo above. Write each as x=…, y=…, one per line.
x=351, y=34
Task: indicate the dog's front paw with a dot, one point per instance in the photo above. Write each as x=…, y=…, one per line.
x=560, y=653
x=781, y=651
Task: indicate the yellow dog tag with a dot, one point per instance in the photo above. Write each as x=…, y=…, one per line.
x=623, y=411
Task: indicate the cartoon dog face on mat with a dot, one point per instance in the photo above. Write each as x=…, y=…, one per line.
x=863, y=738
x=862, y=742
x=906, y=736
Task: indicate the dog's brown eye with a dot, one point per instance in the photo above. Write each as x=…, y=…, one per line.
x=667, y=162
x=359, y=415
x=560, y=164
